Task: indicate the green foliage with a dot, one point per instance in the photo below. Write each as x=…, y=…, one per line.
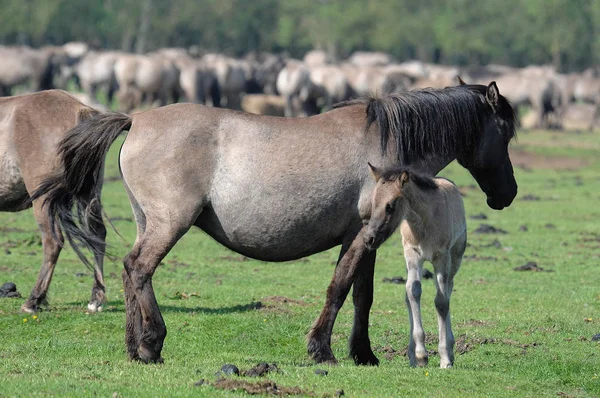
x=565, y=33
x=525, y=334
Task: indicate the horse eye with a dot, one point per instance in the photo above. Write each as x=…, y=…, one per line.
x=389, y=208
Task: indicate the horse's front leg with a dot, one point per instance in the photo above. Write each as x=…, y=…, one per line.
x=417, y=353
x=362, y=295
x=319, y=337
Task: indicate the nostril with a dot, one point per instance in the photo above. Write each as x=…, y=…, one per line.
x=370, y=240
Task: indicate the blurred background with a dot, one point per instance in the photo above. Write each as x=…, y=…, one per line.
x=544, y=53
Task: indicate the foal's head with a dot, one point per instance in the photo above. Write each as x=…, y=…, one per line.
x=390, y=200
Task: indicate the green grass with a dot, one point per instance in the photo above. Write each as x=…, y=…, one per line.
x=541, y=322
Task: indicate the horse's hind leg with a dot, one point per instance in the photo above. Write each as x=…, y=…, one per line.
x=145, y=327
x=417, y=354
x=96, y=225
x=51, y=249
x=362, y=295
x=319, y=337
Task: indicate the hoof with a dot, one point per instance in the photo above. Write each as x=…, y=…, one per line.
x=320, y=352
x=446, y=364
x=94, y=307
x=367, y=359
x=146, y=355
x=28, y=308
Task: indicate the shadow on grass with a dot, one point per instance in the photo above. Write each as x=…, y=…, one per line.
x=119, y=306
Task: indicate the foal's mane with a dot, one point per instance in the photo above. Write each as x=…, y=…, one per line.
x=431, y=120
x=422, y=181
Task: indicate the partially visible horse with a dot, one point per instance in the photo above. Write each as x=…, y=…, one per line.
x=31, y=127
x=431, y=216
x=274, y=189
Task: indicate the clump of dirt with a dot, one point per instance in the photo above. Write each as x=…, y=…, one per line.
x=263, y=387
x=474, y=322
x=596, y=337
x=479, y=216
x=321, y=372
x=262, y=369
x=523, y=228
x=495, y=243
x=531, y=266
x=530, y=197
x=9, y=290
x=489, y=229
x=550, y=226
x=228, y=370
x=394, y=279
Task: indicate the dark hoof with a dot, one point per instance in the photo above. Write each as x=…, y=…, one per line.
x=321, y=352
x=146, y=355
x=366, y=358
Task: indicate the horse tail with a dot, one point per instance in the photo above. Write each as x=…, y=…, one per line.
x=72, y=190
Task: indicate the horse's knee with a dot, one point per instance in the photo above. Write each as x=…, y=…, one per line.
x=414, y=289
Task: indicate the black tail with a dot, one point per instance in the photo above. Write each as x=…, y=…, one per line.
x=72, y=190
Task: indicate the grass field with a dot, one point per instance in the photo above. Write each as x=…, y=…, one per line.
x=519, y=333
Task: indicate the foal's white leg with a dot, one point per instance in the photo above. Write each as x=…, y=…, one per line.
x=444, y=285
x=417, y=354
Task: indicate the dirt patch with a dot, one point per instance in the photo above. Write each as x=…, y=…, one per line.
x=261, y=370
x=528, y=160
x=394, y=279
x=112, y=178
x=531, y=266
x=462, y=345
x=12, y=229
x=279, y=304
x=489, y=229
x=264, y=387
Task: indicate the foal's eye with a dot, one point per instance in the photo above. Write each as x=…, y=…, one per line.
x=389, y=208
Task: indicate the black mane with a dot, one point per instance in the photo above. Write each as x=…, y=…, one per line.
x=432, y=120
x=422, y=181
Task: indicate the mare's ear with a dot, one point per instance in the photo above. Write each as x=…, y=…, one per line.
x=492, y=95
x=375, y=172
x=461, y=82
x=403, y=179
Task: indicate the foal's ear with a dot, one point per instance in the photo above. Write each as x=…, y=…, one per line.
x=492, y=95
x=375, y=172
x=403, y=179
x=461, y=82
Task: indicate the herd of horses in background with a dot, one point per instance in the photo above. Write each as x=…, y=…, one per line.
x=274, y=84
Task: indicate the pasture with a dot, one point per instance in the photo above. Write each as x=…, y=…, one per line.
x=518, y=333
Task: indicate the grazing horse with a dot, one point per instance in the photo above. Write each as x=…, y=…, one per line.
x=274, y=189
x=431, y=216
x=31, y=126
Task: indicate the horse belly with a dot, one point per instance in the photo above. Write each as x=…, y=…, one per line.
x=13, y=193
x=273, y=234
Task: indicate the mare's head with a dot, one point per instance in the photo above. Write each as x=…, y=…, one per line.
x=390, y=200
x=488, y=160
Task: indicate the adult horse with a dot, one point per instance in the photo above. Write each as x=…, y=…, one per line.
x=31, y=126
x=275, y=189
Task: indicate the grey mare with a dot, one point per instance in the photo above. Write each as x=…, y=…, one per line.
x=275, y=189
x=31, y=126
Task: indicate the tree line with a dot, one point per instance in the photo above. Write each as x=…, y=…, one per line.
x=565, y=33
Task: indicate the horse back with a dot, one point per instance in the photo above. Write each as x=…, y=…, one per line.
x=31, y=126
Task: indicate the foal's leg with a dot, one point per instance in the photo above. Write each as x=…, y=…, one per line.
x=362, y=295
x=319, y=337
x=51, y=249
x=417, y=354
x=96, y=225
x=443, y=284
x=446, y=268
